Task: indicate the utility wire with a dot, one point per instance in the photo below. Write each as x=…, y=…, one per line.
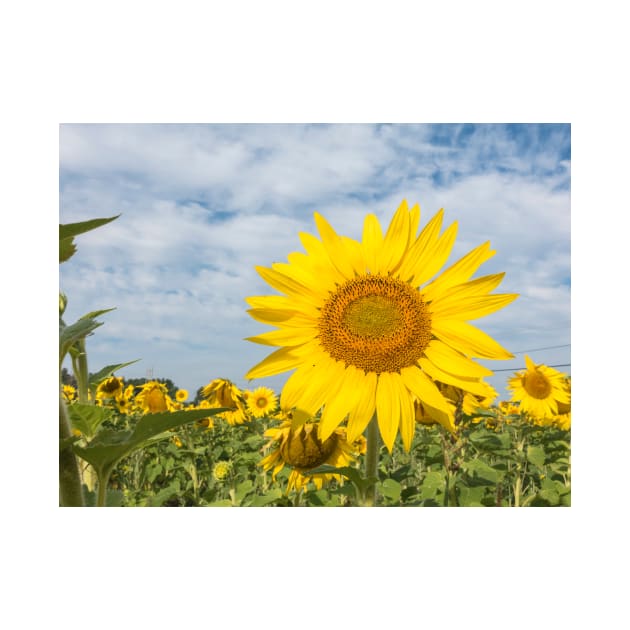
x=565, y=345
x=517, y=369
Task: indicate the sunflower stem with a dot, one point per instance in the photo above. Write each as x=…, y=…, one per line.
x=70, y=487
x=371, y=462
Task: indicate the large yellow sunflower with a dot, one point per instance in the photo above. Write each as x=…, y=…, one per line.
x=302, y=450
x=539, y=389
x=368, y=327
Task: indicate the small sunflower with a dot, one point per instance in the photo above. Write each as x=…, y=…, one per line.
x=261, y=402
x=69, y=392
x=153, y=398
x=539, y=389
x=221, y=470
x=302, y=450
x=181, y=395
x=369, y=326
x=205, y=422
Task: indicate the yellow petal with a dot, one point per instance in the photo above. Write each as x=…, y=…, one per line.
x=459, y=272
x=472, y=307
x=334, y=246
x=387, y=409
x=450, y=360
x=294, y=289
x=472, y=385
x=414, y=222
x=396, y=240
x=425, y=390
x=285, y=337
x=407, y=413
x=281, y=360
x=468, y=339
x=372, y=241
x=363, y=411
x=434, y=258
x=426, y=240
x=308, y=386
x=347, y=395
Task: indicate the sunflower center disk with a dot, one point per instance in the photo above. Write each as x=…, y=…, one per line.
x=537, y=385
x=376, y=323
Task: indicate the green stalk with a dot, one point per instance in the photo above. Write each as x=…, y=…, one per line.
x=82, y=374
x=70, y=488
x=371, y=461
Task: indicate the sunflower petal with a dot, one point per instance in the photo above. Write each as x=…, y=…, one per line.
x=363, y=411
x=424, y=389
x=338, y=406
x=460, y=271
x=396, y=240
x=334, y=246
x=372, y=241
x=281, y=360
x=469, y=340
x=387, y=409
x=407, y=414
x=449, y=360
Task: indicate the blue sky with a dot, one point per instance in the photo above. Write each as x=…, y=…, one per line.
x=202, y=205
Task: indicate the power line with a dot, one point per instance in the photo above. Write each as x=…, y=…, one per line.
x=522, y=368
x=565, y=345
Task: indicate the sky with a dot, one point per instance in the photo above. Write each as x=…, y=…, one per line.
x=201, y=205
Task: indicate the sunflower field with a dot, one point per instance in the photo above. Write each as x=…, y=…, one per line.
x=385, y=405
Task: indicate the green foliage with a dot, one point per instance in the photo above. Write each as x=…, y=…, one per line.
x=67, y=232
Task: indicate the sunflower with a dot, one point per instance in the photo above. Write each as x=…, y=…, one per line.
x=109, y=388
x=368, y=327
x=223, y=393
x=153, y=398
x=181, y=395
x=261, y=402
x=303, y=450
x=69, y=392
x=539, y=389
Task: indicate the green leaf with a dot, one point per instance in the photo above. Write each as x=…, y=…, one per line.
x=164, y=495
x=108, y=447
x=391, y=489
x=267, y=498
x=481, y=473
x=88, y=418
x=68, y=231
x=243, y=489
x=433, y=484
x=67, y=249
x=68, y=335
x=221, y=503
x=536, y=456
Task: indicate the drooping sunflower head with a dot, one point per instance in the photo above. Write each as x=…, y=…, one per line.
x=261, y=402
x=539, y=389
x=369, y=327
x=109, y=388
x=153, y=398
x=302, y=449
x=222, y=393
